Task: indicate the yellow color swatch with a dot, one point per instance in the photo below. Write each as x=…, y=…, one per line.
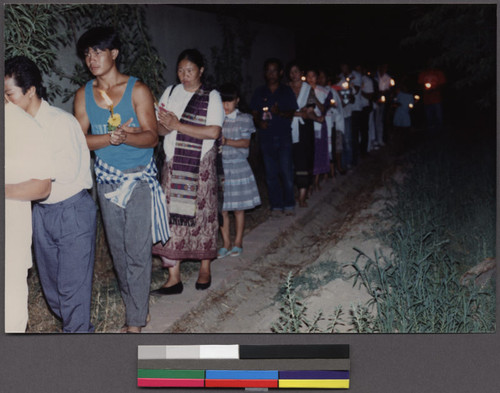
x=314, y=383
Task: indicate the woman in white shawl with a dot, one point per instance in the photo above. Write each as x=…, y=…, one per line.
x=321, y=157
x=302, y=131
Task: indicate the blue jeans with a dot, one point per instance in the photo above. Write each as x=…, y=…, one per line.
x=347, y=143
x=277, y=156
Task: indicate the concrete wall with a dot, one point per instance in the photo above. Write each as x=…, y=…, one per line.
x=173, y=29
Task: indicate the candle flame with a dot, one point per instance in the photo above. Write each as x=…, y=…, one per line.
x=382, y=98
x=303, y=78
x=332, y=101
x=393, y=82
x=265, y=109
x=345, y=85
x=428, y=85
x=410, y=106
x=417, y=97
x=108, y=100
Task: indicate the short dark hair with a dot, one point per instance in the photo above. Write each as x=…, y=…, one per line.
x=312, y=69
x=26, y=74
x=192, y=55
x=274, y=60
x=228, y=92
x=290, y=65
x=101, y=38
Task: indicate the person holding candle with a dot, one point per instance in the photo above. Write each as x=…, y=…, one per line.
x=302, y=131
x=403, y=103
x=353, y=77
x=131, y=200
x=64, y=224
x=347, y=91
x=432, y=80
x=383, y=81
x=335, y=122
x=366, y=96
x=191, y=117
x=240, y=189
x=275, y=136
x=321, y=159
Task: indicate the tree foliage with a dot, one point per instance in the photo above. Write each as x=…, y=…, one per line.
x=461, y=38
x=40, y=31
x=229, y=60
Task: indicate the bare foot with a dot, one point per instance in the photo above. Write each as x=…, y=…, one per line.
x=134, y=329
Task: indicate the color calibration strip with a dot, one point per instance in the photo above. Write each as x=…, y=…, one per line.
x=244, y=366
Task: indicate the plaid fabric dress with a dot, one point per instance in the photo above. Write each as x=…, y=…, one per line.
x=240, y=188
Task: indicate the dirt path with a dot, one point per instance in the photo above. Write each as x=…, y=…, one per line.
x=311, y=245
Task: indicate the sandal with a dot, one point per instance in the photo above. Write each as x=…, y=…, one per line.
x=236, y=251
x=223, y=252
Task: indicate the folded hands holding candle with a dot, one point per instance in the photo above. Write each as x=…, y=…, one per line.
x=168, y=120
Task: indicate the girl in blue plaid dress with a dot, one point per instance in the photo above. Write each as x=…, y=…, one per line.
x=240, y=188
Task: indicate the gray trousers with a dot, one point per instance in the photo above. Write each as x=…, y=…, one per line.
x=64, y=243
x=128, y=232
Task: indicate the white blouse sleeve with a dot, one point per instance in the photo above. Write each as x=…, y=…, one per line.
x=215, y=111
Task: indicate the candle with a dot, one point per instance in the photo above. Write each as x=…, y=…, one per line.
x=417, y=97
x=266, y=115
x=393, y=82
x=108, y=100
x=428, y=85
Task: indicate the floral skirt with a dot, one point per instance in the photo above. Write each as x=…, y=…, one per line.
x=198, y=241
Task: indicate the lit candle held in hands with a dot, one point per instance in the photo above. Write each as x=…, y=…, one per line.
x=114, y=120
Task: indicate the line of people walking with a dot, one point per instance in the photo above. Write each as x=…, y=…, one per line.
x=317, y=124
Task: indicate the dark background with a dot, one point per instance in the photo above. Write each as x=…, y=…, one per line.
x=459, y=39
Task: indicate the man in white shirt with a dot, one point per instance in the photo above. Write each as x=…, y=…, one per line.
x=366, y=97
x=350, y=84
x=64, y=225
x=384, y=85
x=27, y=177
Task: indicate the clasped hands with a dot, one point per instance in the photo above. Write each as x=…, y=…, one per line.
x=119, y=136
x=168, y=119
x=307, y=112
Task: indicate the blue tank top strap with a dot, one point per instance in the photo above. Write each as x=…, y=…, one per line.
x=127, y=94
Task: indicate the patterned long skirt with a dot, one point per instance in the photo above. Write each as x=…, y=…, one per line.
x=198, y=241
x=303, y=155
